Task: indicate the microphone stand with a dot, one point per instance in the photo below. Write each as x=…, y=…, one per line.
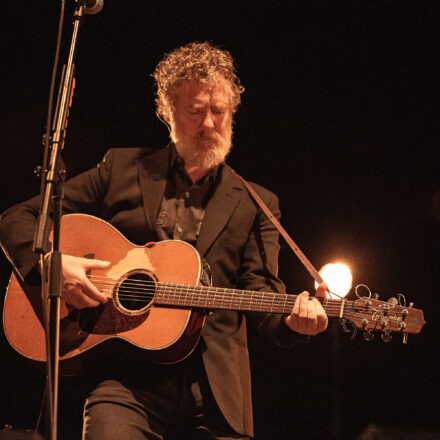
x=50, y=263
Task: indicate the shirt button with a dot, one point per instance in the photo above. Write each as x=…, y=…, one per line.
x=179, y=229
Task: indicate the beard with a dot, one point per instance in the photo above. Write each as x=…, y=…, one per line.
x=206, y=150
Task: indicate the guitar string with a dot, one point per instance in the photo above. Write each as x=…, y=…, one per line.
x=276, y=308
x=164, y=285
x=225, y=294
x=279, y=307
x=181, y=294
x=209, y=289
x=140, y=284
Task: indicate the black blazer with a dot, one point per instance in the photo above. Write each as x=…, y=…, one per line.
x=236, y=239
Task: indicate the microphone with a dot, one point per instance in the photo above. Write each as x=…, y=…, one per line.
x=91, y=6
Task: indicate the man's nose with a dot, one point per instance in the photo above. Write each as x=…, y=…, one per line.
x=208, y=121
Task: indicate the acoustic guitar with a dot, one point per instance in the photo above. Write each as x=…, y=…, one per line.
x=156, y=301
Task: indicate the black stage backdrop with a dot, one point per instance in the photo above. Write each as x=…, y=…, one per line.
x=340, y=118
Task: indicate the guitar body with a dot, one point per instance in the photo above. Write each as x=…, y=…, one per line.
x=169, y=334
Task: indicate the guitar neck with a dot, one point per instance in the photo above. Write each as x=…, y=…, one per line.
x=181, y=295
x=365, y=313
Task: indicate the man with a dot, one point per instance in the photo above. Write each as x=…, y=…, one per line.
x=186, y=192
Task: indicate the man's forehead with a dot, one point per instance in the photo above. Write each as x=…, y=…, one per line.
x=217, y=87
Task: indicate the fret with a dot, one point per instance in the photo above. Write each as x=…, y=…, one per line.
x=168, y=293
x=284, y=307
x=194, y=297
x=187, y=296
x=261, y=301
x=180, y=297
x=199, y=299
x=164, y=296
x=207, y=297
x=172, y=295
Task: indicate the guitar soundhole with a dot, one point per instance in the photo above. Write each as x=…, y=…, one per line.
x=136, y=292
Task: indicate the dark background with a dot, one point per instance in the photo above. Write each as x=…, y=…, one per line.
x=339, y=118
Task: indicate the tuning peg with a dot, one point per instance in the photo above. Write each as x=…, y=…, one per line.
x=368, y=335
x=405, y=338
x=376, y=296
x=402, y=299
x=393, y=301
x=386, y=337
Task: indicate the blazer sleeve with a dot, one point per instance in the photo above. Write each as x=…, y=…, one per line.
x=82, y=193
x=259, y=271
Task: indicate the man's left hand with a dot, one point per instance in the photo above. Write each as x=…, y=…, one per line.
x=308, y=317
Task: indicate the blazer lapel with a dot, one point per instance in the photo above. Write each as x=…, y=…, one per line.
x=219, y=209
x=152, y=180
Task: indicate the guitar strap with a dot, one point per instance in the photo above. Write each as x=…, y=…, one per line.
x=304, y=260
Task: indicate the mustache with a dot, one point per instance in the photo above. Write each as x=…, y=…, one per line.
x=211, y=136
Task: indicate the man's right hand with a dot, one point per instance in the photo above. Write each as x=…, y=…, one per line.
x=77, y=289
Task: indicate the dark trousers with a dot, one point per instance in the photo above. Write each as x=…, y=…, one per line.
x=156, y=402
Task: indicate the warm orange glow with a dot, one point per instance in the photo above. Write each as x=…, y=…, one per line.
x=338, y=278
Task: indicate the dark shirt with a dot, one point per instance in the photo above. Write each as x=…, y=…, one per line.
x=184, y=203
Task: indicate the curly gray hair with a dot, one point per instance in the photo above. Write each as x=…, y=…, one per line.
x=200, y=61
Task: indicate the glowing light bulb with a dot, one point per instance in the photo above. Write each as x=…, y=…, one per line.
x=338, y=278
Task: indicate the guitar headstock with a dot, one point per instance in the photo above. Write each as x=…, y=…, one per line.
x=372, y=315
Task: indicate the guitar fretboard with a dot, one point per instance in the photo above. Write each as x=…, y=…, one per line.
x=182, y=295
